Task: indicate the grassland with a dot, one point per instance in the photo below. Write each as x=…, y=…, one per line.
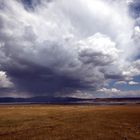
x=69, y=122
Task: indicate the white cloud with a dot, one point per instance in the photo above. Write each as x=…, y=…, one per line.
x=132, y=70
x=4, y=81
x=133, y=83
x=129, y=1
x=112, y=90
x=120, y=82
x=111, y=93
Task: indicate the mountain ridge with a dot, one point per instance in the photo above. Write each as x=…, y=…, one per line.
x=46, y=99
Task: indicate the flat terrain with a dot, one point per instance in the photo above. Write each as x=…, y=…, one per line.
x=69, y=122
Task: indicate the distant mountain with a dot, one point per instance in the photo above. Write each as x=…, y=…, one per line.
x=40, y=99
x=68, y=100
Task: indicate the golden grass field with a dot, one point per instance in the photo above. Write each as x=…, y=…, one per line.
x=69, y=122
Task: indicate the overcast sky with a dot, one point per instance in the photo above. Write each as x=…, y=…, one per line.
x=72, y=48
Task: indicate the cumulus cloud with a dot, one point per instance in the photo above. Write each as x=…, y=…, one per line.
x=120, y=82
x=4, y=81
x=133, y=83
x=6, y=86
x=112, y=90
x=107, y=93
x=116, y=93
x=53, y=47
x=132, y=70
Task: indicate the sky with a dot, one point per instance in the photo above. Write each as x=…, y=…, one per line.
x=77, y=48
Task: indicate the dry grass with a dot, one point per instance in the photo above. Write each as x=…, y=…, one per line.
x=58, y=122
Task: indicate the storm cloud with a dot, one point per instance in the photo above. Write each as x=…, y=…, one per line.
x=60, y=47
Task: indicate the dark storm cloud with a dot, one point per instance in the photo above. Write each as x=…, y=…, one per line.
x=40, y=80
x=135, y=8
x=31, y=4
x=113, y=76
x=6, y=90
x=96, y=58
